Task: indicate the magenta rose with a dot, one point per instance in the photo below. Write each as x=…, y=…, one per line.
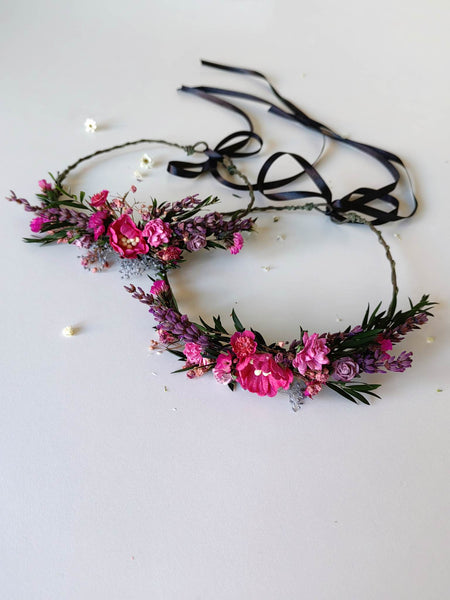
x=99, y=199
x=243, y=343
x=126, y=239
x=261, y=375
x=97, y=223
x=313, y=354
x=157, y=232
x=222, y=370
x=345, y=369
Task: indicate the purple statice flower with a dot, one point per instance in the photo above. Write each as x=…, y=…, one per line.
x=399, y=363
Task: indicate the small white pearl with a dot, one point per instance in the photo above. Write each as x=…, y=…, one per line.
x=68, y=331
x=430, y=340
x=258, y=372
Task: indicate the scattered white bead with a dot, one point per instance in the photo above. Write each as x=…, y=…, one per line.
x=154, y=373
x=338, y=319
x=138, y=176
x=281, y=237
x=68, y=331
x=165, y=388
x=276, y=219
x=430, y=340
x=146, y=162
x=398, y=236
x=266, y=269
x=90, y=125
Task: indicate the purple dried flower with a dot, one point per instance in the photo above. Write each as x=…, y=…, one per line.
x=196, y=242
x=179, y=325
x=345, y=369
x=399, y=363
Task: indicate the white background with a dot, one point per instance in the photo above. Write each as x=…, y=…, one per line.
x=113, y=488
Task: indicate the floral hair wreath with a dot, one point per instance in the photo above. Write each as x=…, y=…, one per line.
x=144, y=236
x=154, y=236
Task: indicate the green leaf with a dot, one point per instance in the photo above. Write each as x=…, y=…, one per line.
x=259, y=338
x=366, y=317
x=218, y=325
x=237, y=324
x=177, y=353
x=340, y=391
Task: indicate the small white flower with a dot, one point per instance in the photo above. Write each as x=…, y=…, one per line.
x=68, y=331
x=90, y=125
x=138, y=176
x=146, y=162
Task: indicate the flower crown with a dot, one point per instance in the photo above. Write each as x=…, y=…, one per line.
x=154, y=236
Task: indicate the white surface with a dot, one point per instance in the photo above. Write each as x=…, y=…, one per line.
x=113, y=488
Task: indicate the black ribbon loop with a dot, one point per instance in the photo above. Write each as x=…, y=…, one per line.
x=357, y=200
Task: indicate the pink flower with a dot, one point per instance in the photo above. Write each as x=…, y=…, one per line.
x=312, y=389
x=238, y=242
x=261, y=375
x=384, y=345
x=193, y=353
x=37, y=222
x=97, y=223
x=126, y=239
x=170, y=253
x=165, y=337
x=45, y=185
x=158, y=232
x=159, y=286
x=99, y=199
x=222, y=370
x=313, y=354
x=243, y=343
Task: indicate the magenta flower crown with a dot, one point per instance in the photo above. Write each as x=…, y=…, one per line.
x=155, y=236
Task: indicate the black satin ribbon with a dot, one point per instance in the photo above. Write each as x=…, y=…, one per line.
x=357, y=200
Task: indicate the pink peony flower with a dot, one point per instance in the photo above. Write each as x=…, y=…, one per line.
x=97, y=223
x=169, y=254
x=159, y=286
x=193, y=353
x=45, y=185
x=37, y=222
x=126, y=239
x=313, y=355
x=260, y=374
x=238, y=242
x=158, y=232
x=222, y=370
x=99, y=199
x=243, y=343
